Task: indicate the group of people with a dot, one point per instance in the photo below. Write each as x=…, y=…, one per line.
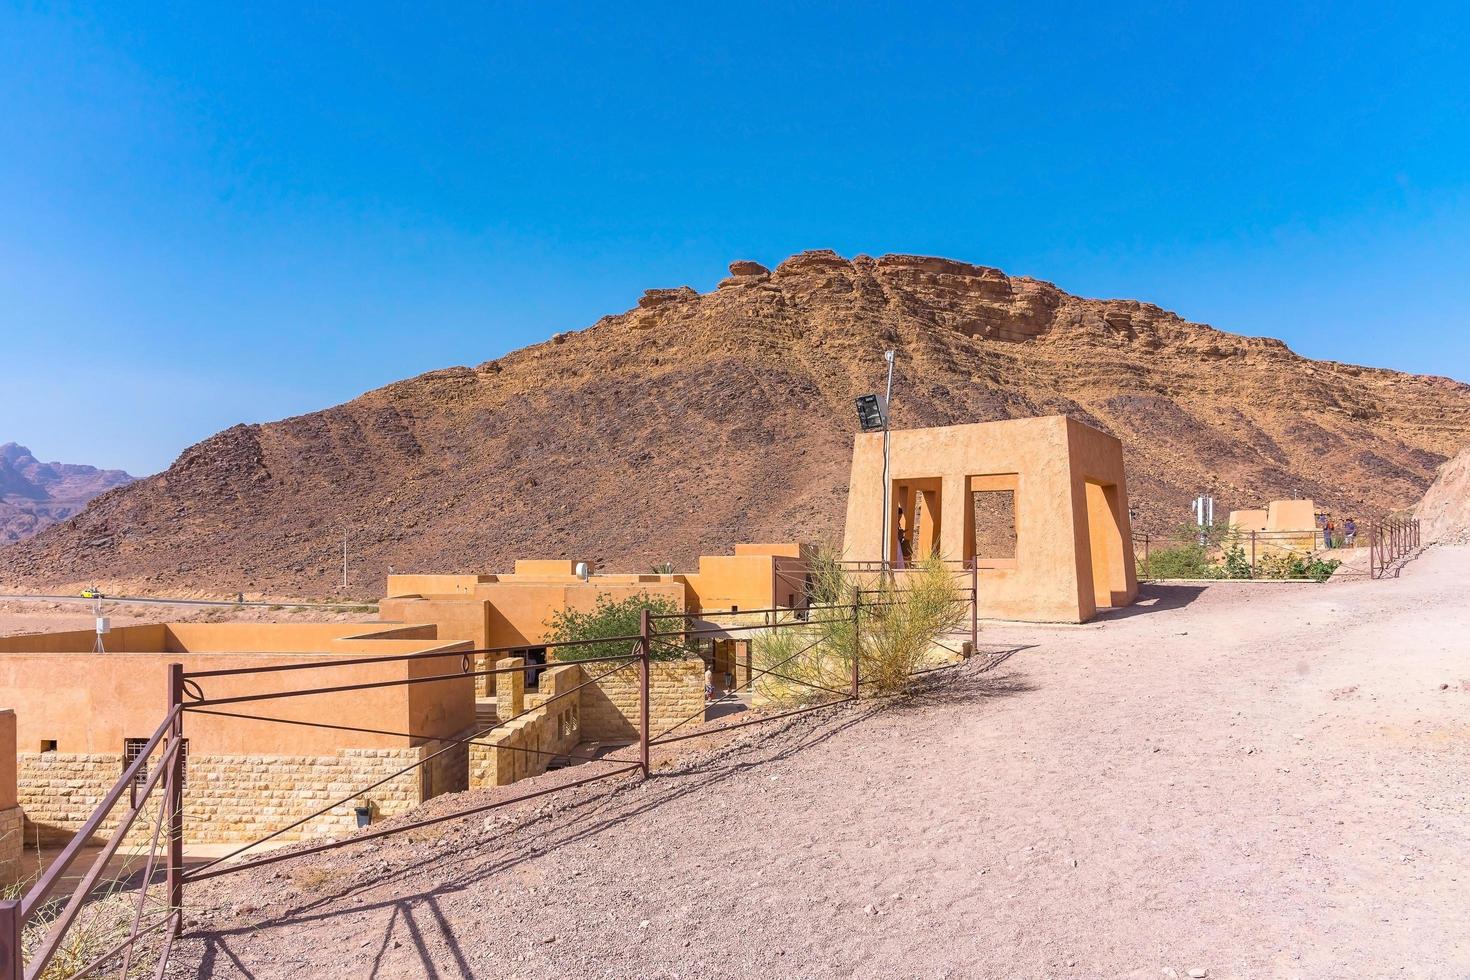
x=1331, y=532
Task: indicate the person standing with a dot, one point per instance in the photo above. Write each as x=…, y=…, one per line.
x=1327, y=531
x=1349, y=532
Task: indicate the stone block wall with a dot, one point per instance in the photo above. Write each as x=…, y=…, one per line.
x=610, y=708
x=230, y=799
x=12, y=844
x=526, y=745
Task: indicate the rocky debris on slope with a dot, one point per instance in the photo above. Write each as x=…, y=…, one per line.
x=696, y=420
x=34, y=495
x=1444, y=513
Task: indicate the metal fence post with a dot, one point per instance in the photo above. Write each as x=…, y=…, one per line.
x=1148, y=571
x=645, y=647
x=1253, y=551
x=174, y=798
x=974, y=606
x=11, y=951
x=857, y=639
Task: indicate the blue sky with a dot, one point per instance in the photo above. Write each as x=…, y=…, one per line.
x=215, y=214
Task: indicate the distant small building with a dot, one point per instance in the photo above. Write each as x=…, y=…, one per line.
x=1285, y=525
x=1039, y=504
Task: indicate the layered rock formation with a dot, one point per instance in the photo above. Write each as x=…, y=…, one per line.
x=34, y=495
x=696, y=420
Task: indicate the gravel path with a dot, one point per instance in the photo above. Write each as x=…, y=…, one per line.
x=1253, y=781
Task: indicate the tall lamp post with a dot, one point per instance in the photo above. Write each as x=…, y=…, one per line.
x=873, y=415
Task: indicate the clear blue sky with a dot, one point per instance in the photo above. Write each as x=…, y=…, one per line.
x=252, y=211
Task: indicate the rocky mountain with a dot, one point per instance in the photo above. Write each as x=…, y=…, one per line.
x=34, y=495
x=1444, y=513
x=693, y=421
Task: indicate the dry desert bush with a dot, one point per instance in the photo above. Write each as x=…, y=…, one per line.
x=901, y=618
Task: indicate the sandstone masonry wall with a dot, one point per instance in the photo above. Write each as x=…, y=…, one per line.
x=525, y=746
x=12, y=844
x=230, y=799
x=610, y=710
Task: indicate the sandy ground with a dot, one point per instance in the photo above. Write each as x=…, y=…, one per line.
x=1244, y=780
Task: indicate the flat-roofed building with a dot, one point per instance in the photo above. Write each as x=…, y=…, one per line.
x=251, y=767
x=1039, y=504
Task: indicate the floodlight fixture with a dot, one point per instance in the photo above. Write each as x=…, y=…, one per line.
x=872, y=412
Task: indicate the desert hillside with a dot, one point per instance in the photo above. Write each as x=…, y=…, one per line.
x=34, y=495
x=696, y=420
x=1445, y=510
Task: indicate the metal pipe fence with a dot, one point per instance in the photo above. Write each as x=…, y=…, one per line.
x=27, y=953
x=1389, y=541
x=50, y=918
x=1386, y=541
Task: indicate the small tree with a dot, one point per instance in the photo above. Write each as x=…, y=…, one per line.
x=611, y=618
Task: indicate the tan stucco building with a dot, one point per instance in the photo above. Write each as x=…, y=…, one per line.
x=1040, y=504
x=78, y=712
x=1283, y=526
x=495, y=611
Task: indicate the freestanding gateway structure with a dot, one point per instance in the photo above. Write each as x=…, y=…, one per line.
x=1040, y=505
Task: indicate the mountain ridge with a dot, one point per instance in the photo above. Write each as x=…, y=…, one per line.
x=694, y=420
x=34, y=495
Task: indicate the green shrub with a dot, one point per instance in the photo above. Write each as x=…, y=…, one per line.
x=1319, y=570
x=617, y=617
x=902, y=620
x=1184, y=560
x=1280, y=565
x=1236, y=564
x=1296, y=565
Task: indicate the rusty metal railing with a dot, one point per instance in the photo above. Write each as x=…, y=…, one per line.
x=151, y=935
x=42, y=909
x=1390, y=540
x=1254, y=546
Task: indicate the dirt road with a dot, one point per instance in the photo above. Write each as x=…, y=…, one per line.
x=1253, y=781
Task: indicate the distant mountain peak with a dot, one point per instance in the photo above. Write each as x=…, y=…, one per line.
x=34, y=495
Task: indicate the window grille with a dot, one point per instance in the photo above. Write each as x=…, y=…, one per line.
x=132, y=748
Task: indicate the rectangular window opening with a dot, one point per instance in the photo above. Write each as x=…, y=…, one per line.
x=132, y=748
x=48, y=745
x=995, y=524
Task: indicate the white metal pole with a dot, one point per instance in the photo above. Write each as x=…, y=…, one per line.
x=887, y=415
